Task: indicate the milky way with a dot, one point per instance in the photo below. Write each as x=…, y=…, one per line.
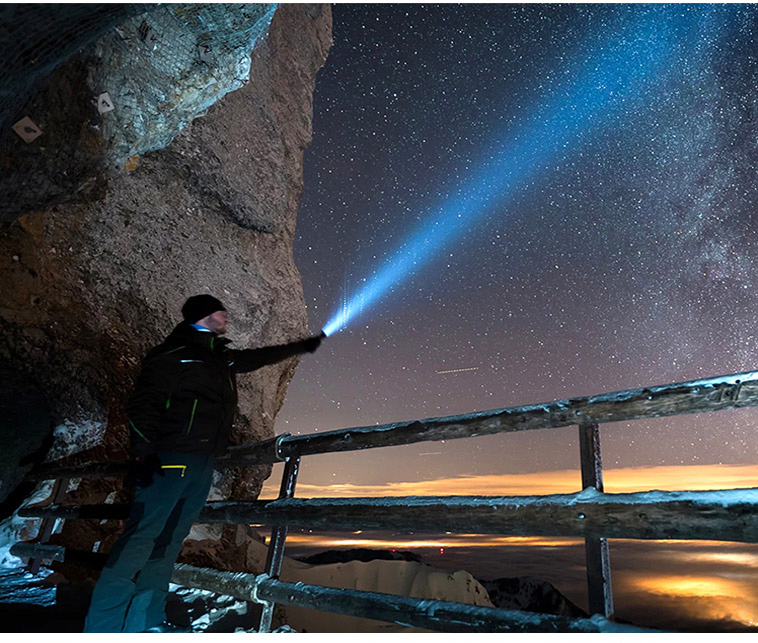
x=627, y=260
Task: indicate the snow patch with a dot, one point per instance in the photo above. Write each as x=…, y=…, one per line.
x=11, y=530
x=201, y=623
x=72, y=437
x=20, y=586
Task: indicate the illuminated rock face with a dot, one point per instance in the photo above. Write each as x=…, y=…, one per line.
x=88, y=286
x=128, y=93
x=164, y=68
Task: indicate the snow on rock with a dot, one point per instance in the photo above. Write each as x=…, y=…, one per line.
x=12, y=530
x=74, y=437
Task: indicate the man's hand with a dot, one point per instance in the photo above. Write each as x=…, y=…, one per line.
x=143, y=469
x=312, y=343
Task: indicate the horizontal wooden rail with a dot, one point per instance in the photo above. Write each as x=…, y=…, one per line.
x=94, y=560
x=712, y=394
x=76, y=512
x=89, y=470
x=428, y=614
x=730, y=515
x=697, y=396
x=723, y=515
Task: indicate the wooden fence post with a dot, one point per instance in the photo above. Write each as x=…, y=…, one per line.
x=278, y=539
x=597, y=554
x=60, y=487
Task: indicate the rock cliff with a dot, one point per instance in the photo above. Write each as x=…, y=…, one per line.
x=156, y=204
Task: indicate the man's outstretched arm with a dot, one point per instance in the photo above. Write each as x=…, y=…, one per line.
x=244, y=361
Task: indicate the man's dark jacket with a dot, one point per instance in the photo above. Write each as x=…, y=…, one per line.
x=185, y=397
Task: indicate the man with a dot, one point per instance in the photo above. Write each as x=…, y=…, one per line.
x=180, y=416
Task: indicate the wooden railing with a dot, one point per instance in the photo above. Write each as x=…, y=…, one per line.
x=592, y=514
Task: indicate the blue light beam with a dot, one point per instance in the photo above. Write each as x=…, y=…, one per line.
x=615, y=77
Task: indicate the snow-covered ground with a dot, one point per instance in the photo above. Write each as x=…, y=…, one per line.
x=43, y=603
x=35, y=604
x=20, y=587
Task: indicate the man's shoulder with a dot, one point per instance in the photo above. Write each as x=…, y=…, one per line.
x=176, y=343
x=165, y=350
x=172, y=348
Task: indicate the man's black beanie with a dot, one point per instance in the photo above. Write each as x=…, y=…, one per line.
x=199, y=306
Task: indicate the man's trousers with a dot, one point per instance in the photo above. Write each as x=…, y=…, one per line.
x=130, y=595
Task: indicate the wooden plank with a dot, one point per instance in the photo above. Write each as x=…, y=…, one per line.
x=90, y=470
x=445, y=616
x=712, y=394
x=730, y=515
x=91, y=560
x=48, y=524
x=429, y=614
x=692, y=515
x=76, y=512
x=697, y=396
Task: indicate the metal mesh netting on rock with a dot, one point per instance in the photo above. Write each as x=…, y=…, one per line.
x=86, y=89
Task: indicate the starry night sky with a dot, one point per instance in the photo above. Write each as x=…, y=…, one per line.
x=626, y=259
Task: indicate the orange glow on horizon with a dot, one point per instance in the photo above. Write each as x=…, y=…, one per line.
x=450, y=541
x=623, y=480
